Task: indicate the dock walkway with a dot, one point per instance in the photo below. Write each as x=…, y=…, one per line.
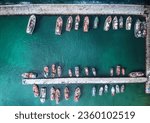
x=85, y=80
x=72, y=9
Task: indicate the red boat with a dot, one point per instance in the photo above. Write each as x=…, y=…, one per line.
x=86, y=24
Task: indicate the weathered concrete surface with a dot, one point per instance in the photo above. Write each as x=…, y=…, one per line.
x=85, y=80
x=70, y=9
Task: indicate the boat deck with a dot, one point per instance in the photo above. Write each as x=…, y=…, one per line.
x=71, y=9
x=111, y=80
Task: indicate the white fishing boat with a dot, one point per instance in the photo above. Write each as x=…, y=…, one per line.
x=69, y=23
x=77, y=71
x=112, y=91
x=147, y=88
x=121, y=22
x=101, y=89
x=59, y=71
x=94, y=71
x=53, y=70
x=128, y=23
x=59, y=24
x=66, y=93
x=137, y=29
x=29, y=75
x=42, y=94
x=144, y=29
x=111, y=72
x=117, y=89
x=86, y=70
x=122, y=88
x=86, y=24
x=118, y=70
x=46, y=71
x=31, y=24
x=57, y=96
x=123, y=72
x=35, y=90
x=94, y=91
x=115, y=23
x=105, y=88
x=136, y=74
x=77, y=94
x=77, y=22
x=107, y=23
x=70, y=73
x=96, y=22
x=52, y=93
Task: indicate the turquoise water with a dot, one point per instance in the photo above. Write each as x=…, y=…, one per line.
x=20, y=52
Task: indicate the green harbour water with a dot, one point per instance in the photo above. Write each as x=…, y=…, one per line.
x=20, y=52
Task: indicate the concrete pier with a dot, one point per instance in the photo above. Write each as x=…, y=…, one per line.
x=85, y=80
x=148, y=46
x=72, y=9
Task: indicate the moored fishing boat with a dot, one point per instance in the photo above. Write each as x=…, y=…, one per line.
x=94, y=71
x=66, y=93
x=77, y=71
x=112, y=91
x=137, y=29
x=96, y=22
x=105, y=88
x=128, y=23
x=77, y=94
x=122, y=88
x=121, y=22
x=52, y=93
x=118, y=70
x=53, y=70
x=57, y=96
x=111, y=72
x=123, y=71
x=86, y=70
x=31, y=24
x=144, y=29
x=115, y=23
x=86, y=24
x=29, y=75
x=59, y=71
x=107, y=23
x=42, y=94
x=147, y=88
x=58, y=28
x=35, y=90
x=69, y=23
x=70, y=73
x=101, y=91
x=77, y=22
x=136, y=74
x=46, y=71
x=117, y=89
x=94, y=91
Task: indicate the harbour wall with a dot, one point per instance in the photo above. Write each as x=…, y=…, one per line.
x=72, y=9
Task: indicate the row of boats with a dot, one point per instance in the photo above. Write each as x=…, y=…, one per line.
x=116, y=23
x=140, y=28
x=56, y=71
x=104, y=89
x=55, y=93
x=120, y=71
